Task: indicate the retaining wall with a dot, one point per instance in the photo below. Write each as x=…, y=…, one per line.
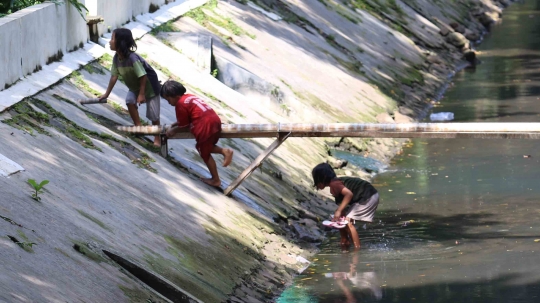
x=119, y=12
x=40, y=34
x=36, y=36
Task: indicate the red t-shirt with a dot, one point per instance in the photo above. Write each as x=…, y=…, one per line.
x=202, y=119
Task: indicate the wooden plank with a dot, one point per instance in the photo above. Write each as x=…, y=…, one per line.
x=256, y=163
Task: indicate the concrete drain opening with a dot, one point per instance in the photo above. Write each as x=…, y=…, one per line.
x=153, y=280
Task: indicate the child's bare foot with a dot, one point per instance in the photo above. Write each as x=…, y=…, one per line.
x=157, y=141
x=228, y=155
x=211, y=182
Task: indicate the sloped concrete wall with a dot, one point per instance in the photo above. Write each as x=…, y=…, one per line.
x=34, y=36
x=143, y=6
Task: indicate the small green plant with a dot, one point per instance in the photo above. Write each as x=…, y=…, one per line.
x=215, y=73
x=27, y=246
x=37, y=188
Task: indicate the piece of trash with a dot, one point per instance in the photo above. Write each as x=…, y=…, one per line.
x=364, y=227
x=390, y=190
x=527, y=156
x=537, y=240
x=301, y=259
x=444, y=116
x=411, y=193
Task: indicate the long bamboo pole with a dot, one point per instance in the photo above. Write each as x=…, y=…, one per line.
x=486, y=130
x=491, y=130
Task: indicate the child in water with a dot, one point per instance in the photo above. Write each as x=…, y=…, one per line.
x=357, y=200
x=203, y=122
x=140, y=78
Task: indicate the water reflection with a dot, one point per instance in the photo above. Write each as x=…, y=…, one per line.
x=356, y=286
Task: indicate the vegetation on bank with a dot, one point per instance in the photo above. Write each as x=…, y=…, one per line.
x=11, y=6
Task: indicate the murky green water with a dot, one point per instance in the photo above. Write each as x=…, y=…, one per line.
x=458, y=219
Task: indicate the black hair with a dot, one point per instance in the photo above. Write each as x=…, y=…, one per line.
x=124, y=41
x=172, y=88
x=323, y=173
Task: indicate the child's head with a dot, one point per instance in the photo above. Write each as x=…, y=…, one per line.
x=322, y=175
x=172, y=91
x=122, y=42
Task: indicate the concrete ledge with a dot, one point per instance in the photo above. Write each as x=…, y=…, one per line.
x=50, y=74
x=8, y=167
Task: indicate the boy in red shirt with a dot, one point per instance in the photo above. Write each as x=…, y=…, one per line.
x=203, y=122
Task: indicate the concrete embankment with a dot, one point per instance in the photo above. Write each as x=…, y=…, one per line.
x=271, y=61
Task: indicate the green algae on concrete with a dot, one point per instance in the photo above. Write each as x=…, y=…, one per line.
x=25, y=118
x=136, y=295
x=208, y=271
x=106, y=61
x=93, y=219
x=77, y=79
x=83, y=249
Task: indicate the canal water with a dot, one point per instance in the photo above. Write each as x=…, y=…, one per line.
x=459, y=220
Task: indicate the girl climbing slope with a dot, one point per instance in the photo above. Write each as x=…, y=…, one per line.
x=138, y=75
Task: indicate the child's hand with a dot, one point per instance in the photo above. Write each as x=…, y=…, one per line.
x=170, y=132
x=337, y=216
x=105, y=96
x=141, y=99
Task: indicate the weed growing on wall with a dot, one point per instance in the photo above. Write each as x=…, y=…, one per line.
x=37, y=188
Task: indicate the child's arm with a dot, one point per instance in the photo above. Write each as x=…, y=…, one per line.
x=347, y=197
x=112, y=82
x=142, y=89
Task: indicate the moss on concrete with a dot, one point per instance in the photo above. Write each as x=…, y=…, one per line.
x=137, y=295
x=94, y=219
x=25, y=118
x=106, y=61
x=84, y=250
x=77, y=79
